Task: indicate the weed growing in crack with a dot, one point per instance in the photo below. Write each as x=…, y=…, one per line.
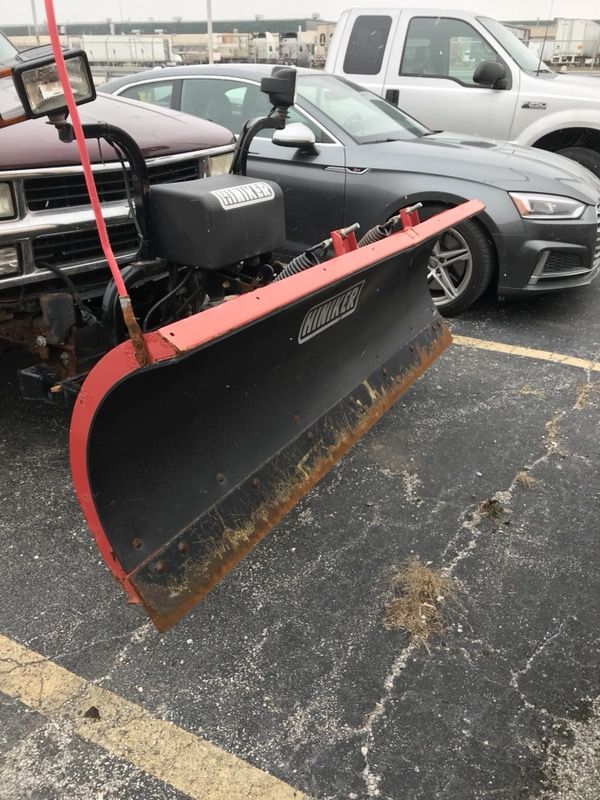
x=527, y=390
x=550, y=439
x=418, y=597
x=584, y=393
x=525, y=480
x=496, y=512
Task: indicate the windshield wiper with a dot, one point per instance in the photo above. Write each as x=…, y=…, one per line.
x=381, y=141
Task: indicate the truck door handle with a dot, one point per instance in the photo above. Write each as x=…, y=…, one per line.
x=392, y=96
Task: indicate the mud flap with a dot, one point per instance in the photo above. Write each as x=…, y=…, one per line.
x=181, y=467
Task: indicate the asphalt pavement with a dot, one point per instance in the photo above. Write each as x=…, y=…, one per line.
x=287, y=664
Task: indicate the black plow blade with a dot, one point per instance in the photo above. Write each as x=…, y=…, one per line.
x=181, y=467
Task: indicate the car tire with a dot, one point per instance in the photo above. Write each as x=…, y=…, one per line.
x=584, y=156
x=455, y=289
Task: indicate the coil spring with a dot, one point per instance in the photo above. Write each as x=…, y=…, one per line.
x=380, y=232
x=298, y=264
x=373, y=235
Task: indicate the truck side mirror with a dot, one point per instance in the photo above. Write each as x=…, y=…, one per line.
x=297, y=135
x=492, y=74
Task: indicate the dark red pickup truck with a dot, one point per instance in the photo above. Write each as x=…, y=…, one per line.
x=45, y=219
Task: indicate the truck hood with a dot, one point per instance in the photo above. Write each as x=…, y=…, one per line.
x=575, y=87
x=159, y=132
x=501, y=164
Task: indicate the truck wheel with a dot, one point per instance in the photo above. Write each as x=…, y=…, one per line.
x=584, y=156
x=461, y=266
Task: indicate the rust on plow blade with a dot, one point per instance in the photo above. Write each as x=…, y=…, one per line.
x=181, y=467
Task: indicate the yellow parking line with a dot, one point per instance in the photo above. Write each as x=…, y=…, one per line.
x=527, y=352
x=126, y=730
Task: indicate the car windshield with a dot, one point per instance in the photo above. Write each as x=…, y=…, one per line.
x=7, y=51
x=524, y=57
x=364, y=116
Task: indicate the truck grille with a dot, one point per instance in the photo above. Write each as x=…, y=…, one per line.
x=596, y=259
x=64, y=191
x=81, y=246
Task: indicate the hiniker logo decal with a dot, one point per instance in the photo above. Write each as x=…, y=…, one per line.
x=329, y=312
x=245, y=195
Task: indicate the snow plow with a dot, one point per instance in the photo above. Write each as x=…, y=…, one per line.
x=237, y=390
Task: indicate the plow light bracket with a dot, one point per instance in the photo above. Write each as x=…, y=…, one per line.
x=280, y=85
x=38, y=86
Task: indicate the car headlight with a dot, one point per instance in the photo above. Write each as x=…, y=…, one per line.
x=547, y=206
x=219, y=165
x=7, y=208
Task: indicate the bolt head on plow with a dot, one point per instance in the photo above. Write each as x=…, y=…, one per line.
x=182, y=466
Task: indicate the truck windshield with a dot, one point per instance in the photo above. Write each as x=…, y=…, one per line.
x=7, y=51
x=364, y=116
x=525, y=58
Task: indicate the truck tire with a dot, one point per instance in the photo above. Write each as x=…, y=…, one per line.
x=584, y=156
x=456, y=284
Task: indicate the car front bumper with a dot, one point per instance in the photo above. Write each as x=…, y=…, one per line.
x=550, y=256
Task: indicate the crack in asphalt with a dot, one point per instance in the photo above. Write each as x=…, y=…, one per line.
x=370, y=778
x=472, y=517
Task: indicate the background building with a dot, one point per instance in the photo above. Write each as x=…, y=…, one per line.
x=119, y=45
x=302, y=41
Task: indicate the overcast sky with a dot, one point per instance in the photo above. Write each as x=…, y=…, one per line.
x=75, y=10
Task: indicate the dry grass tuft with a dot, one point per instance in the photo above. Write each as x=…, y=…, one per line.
x=530, y=391
x=584, y=392
x=525, y=480
x=418, y=595
x=494, y=509
x=552, y=433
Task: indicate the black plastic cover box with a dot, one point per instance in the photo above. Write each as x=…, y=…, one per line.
x=214, y=222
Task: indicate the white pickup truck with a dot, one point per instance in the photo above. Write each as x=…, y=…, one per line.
x=464, y=72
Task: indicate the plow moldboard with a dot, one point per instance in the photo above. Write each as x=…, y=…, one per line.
x=183, y=466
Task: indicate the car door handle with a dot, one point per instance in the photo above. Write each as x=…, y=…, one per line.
x=392, y=96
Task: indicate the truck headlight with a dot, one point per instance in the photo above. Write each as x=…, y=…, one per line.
x=7, y=208
x=547, y=206
x=9, y=261
x=219, y=165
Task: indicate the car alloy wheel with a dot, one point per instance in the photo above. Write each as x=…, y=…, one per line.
x=450, y=268
x=462, y=264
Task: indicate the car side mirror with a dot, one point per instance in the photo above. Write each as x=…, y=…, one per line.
x=492, y=74
x=295, y=134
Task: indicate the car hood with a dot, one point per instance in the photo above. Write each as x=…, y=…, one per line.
x=501, y=164
x=159, y=132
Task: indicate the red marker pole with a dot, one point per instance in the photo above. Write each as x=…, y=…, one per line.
x=135, y=333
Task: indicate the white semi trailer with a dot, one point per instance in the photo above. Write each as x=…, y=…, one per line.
x=577, y=41
x=124, y=50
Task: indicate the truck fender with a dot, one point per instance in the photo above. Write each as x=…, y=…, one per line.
x=560, y=120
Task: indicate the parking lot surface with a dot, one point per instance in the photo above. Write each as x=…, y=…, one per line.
x=287, y=667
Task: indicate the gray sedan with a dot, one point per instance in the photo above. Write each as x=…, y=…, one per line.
x=348, y=156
